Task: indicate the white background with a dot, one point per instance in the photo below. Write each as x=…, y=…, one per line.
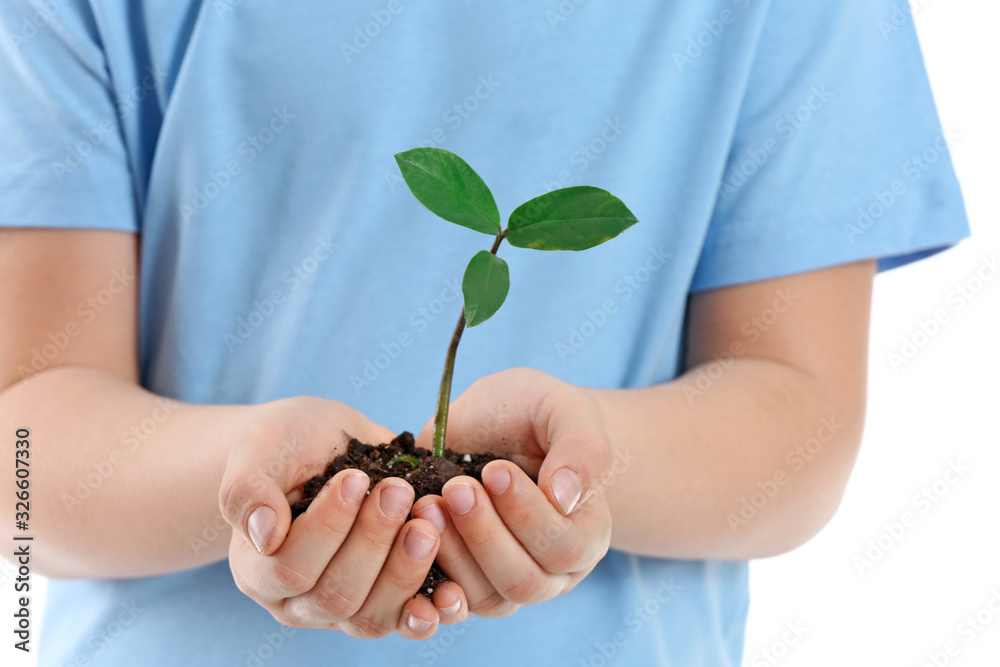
x=941, y=407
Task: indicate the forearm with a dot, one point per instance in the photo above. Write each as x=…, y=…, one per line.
x=751, y=466
x=123, y=483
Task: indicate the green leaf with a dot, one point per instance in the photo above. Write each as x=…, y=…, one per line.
x=485, y=287
x=450, y=188
x=574, y=218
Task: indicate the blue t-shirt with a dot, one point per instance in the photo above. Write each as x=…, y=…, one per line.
x=250, y=144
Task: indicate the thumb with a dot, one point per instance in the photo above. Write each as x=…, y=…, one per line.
x=477, y=423
x=494, y=414
x=579, y=459
x=252, y=497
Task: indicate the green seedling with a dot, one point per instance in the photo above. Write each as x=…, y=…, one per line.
x=574, y=218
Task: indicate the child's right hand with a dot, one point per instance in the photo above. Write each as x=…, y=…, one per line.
x=350, y=562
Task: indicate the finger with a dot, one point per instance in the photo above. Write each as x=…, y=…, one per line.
x=400, y=579
x=252, y=493
x=451, y=603
x=254, y=505
x=558, y=543
x=478, y=422
x=311, y=543
x=415, y=621
x=350, y=574
x=468, y=582
x=578, y=460
x=505, y=562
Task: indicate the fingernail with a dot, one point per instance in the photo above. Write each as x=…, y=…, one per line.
x=418, y=544
x=460, y=498
x=395, y=499
x=433, y=514
x=567, y=489
x=415, y=624
x=260, y=525
x=453, y=609
x=354, y=487
x=496, y=479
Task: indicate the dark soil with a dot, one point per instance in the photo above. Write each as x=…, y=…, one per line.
x=426, y=480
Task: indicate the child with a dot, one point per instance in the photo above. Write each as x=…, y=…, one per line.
x=214, y=272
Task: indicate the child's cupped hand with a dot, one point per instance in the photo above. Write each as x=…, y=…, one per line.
x=515, y=543
x=352, y=561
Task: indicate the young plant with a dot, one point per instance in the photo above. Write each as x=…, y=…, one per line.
x=575, y=218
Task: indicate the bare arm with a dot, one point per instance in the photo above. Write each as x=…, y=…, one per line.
x=748, y=453
x=123, y=482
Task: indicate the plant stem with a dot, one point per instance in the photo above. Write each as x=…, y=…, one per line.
x=444, y=393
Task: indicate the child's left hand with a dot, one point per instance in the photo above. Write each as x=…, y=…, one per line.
x=516, y=543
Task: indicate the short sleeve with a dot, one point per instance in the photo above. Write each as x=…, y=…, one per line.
x=63, y=162
x=838, y=154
